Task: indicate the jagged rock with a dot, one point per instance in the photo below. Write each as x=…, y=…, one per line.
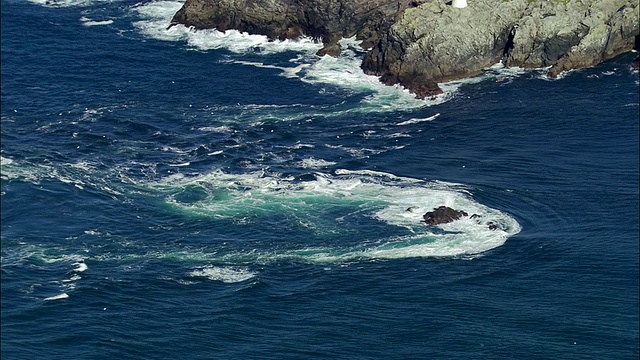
x=636, y=62
x=437, y=42
x=331, y=49
x=420, y=43
x=328, y=20
x=443, y=215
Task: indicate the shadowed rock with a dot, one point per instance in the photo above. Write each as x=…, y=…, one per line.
x=443, y=215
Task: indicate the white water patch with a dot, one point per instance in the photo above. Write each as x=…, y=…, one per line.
x=313, y=163
x=5, y=161
x=287, y=71
x=216, y=129
x=224, y=274
x=415, y=121
x=398, y=202
x=242, y=42
x=57, y=297
x=345, y=72
x=80, y=267
x=82, y=174
x=60, y=270
x=88, y=22
x=363, y=153
x=71, y=3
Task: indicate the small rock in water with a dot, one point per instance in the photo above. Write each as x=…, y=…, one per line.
x=443, y=215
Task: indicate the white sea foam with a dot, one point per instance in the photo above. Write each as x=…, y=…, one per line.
x=69, y=3
x=313, y=163
x=5, y=161
x=345, y=72
x=97, y=23
x=57, y=297
x=396, y=201
x=81, y=174
x=287, y=71
x=90, y=22
x=217, y=129
x=80, y=266
x=226, y=274
x=415, y=121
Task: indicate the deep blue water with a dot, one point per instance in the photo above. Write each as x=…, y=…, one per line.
x=170, y=195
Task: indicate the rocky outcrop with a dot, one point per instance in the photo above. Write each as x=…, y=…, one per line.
x=574, y=35
x=327, y=20
x=443, y=215
x=423, y=42
x=436, y=42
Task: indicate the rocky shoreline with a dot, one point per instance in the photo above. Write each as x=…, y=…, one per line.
x=420, y=43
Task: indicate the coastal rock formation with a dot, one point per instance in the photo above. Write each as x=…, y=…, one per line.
x=443, y=215
x=438, y=42
x=327, y=20
x=420, y=43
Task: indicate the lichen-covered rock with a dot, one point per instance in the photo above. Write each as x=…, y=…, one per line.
x=418, y=43
x=437, y=42
x=573, y=34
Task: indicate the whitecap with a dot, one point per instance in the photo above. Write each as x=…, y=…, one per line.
x=225, y=274
x=217, y=129
x=287, y=71
x=57, y=297
x=97, y=23
x=5, y=161
x=81, y=266
x=415, y=120
x=313, y=163
x=68, y=3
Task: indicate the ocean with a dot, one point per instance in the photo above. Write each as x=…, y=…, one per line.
x=206, y=195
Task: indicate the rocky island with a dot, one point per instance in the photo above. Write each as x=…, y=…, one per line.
x=418, y=43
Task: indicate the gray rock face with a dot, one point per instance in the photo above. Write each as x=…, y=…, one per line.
x=573, y=35
x=438, y=42
x=328, y=20
x=419, y=43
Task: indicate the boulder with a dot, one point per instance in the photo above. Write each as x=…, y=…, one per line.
x=443, y=215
